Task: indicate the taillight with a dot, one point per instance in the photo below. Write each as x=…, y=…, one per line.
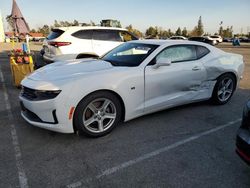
x=58, y=44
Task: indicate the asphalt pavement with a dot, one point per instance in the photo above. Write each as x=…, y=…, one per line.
x=187, y=146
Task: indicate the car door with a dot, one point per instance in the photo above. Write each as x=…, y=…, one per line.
x=178, y=83
x=81, y=42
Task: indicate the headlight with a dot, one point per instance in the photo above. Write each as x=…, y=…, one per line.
x=37, y=95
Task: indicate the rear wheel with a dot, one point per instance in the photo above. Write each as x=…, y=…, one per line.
x=224, y=89
x=97, y=114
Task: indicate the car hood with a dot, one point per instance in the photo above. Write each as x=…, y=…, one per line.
x=69, y=69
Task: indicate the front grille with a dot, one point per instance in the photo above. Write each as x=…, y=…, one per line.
x=28, y=93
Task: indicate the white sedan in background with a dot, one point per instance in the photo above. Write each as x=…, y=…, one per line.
x=178, y=38
x=92, y=96
x=218, y=38
x=215, y=38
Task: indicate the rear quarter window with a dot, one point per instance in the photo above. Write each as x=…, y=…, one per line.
x=83, y=34
x=106, y=35
x=55, y=33
x=201, y=51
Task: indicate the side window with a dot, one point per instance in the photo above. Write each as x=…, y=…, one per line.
x=178, y=53
x=201, y=51
x=126, y=36
x=107, y=35
x=83, y=34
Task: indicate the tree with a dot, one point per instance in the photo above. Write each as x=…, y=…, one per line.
x=152, y=31
x=163, y=34
x=184, y=32
x=33, y=31
x=75, y=23
x=62, y=23
x=178, y=31
x=226, y=33
x=67, y=24
x=85, y=24
x=221, y=31
x=134, y=31
x=56, y=24
x=44, y=30
x=170, y=33
x=198, y=30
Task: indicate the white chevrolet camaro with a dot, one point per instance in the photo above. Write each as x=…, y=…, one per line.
x=92, y=96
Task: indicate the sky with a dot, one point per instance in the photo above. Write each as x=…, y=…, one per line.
x=140, y=13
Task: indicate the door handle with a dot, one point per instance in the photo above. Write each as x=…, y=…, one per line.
x=196, y=68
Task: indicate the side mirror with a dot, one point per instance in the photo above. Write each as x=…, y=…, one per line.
x=162, y=62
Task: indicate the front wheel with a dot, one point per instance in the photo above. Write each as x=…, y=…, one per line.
x=97, y=114
x=224, y=89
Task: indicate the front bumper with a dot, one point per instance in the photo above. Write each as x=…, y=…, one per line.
x=47, y=114
x=48, y=58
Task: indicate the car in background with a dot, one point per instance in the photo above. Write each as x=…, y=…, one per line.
x=178, y=38
x=227, y=39
x=65, y=43
x=244, y=39
x=36, y=37
x=215, y=42
x=92, y=96
x=217, y=38
x=243, y=135
x=204, y=40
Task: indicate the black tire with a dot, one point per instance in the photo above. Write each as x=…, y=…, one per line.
x=95, y=102
x=220, y=89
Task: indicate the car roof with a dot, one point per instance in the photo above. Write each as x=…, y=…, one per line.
x=169, y=42
x=76, y=28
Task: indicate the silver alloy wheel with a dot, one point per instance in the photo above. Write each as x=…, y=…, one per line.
x=99, y=115
x=225, y=89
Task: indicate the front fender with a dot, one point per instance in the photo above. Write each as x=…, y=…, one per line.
x=128, y=84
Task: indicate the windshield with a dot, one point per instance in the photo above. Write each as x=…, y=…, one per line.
x=129, y=54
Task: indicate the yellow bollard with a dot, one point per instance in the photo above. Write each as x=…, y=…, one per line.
x=20, y=70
